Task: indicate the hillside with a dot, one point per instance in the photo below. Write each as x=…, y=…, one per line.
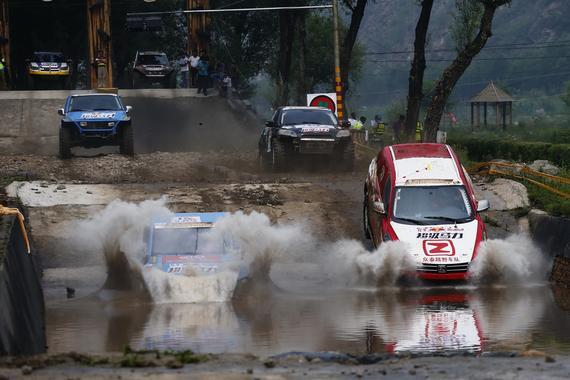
x=523, y=31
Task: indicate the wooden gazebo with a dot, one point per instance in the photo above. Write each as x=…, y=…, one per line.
x=496, y=98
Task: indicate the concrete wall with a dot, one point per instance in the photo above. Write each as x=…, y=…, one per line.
x=552, y=234
x=22, y=322
x=164, y=119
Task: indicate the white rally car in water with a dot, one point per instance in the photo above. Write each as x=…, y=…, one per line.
x=421, y=195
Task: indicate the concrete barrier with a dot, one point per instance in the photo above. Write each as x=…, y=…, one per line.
x=552, y=234
x=164, y=119
x=22, y=322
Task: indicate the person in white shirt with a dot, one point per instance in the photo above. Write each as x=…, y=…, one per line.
x=194, y=61
x=183, y=62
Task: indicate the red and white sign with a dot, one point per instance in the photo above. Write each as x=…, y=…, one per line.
x=439, y=248
x=323, y=100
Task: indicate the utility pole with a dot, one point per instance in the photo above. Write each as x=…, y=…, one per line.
x=337, y=79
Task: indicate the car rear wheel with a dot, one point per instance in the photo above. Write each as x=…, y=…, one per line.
x=127, y=143
x=64, y=143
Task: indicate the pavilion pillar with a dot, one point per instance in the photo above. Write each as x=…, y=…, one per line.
x=510, y=113
x=497, y=114
x=485, y=113
x=99, y=42
x=478, y=113
x=5, y=34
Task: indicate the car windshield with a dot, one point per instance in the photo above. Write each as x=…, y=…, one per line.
x=432, y=205
x=48, y=57
x=152, y=59
x=186, y=241
x=308, y=116
x=94, y=103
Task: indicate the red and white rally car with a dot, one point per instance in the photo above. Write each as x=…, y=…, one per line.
x=420, y=194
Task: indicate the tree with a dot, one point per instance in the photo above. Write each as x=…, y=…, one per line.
x=469, y=45
x=415, y=89
x=356, y=8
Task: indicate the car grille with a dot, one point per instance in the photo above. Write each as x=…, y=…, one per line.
x=316, y=147
x=97, y=125
x=443, y=268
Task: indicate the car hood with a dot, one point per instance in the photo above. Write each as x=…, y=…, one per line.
x=96, y=115
x=204, y=264
x=439, y=244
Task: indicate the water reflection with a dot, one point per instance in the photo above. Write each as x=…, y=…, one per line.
x=357, y=321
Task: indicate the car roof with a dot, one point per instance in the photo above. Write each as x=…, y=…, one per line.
x=150, y=52
x=98, y=94
x=286, y=108
x=191, y=217
x=48, y=52
x=425, y=164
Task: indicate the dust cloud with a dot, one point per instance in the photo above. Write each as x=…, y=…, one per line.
x=514, y=260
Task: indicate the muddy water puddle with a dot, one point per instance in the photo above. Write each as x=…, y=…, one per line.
x=272, y=320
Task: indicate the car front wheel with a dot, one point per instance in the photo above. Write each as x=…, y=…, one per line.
x=64, y=143
x=127, y=143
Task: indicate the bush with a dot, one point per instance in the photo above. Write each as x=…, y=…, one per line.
x=490, y=149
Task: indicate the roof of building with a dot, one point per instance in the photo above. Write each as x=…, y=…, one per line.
x=492, y=94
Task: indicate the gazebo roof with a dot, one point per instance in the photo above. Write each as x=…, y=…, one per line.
x=492, y=94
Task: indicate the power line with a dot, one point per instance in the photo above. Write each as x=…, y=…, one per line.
x=474, y=59
x=542, y=45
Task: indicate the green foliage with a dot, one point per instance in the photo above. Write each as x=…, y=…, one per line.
x=487, y=149
x=545, y=200
x=466, y=20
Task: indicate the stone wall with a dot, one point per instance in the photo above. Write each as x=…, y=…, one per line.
x=21, y=298
x=552, y=235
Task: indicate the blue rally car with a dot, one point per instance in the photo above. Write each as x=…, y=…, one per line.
x=95, y=120
x=185, y=244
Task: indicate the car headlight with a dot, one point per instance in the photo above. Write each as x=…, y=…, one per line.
x=287, y=132
x=64, y=66
x=34, y=65
x=343, y=133
x=111, y=124
x=83, y=124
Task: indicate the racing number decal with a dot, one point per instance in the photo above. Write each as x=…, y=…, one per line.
x=439, y=248
x=175, y=268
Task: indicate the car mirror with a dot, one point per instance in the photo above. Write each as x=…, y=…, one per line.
x=269, y=124
x=483, y=205
x=128, y=108
x=378, y=207
x=345, y=124
x=61, y=112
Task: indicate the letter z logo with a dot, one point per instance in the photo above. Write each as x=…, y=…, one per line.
x=439, y=248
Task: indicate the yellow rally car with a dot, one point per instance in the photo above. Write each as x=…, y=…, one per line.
x=48, y=66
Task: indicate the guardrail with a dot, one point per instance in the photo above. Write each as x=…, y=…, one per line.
x=523, y=172
x=15, y=211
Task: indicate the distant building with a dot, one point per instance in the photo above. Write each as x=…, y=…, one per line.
x=497, y=99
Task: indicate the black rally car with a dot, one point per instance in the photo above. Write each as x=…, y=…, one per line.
x=296, y=132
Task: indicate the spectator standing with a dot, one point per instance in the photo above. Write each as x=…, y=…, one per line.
x=203, y=75
x=194, y=61
x=352, y=119
x=183, y=62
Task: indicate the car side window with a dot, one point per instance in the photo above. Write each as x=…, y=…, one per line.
x=276, y=117
x=386, y=192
